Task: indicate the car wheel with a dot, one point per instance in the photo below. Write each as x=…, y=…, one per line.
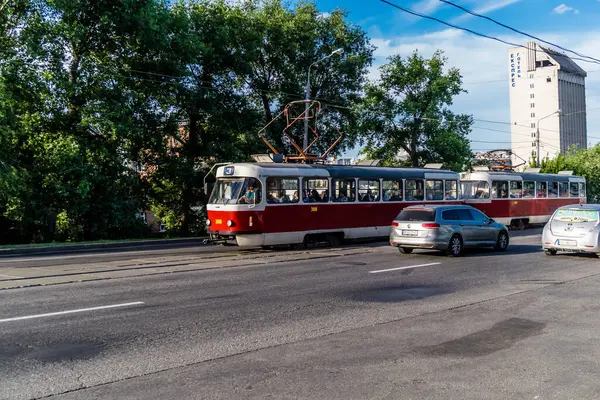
x=405, y=250
x=502, y=242
x=550, y=252
x=455, y=246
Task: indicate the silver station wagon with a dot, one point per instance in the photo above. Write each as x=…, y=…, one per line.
x=448, y=228
x=573, y=228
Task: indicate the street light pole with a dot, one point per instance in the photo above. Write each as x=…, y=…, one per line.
x=537, y=135
x=307, y=95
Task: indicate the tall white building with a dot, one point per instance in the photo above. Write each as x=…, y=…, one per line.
x=541, y=82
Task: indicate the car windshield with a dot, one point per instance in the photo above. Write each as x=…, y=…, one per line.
x=236, y=191
x=575, y=215
x=416, y=215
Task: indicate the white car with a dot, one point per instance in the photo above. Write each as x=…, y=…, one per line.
x=573, y=228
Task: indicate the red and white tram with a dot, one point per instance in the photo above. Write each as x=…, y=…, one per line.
x=267, y=204
x=518, y=199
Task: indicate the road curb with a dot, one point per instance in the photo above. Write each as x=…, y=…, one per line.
x=82, y=248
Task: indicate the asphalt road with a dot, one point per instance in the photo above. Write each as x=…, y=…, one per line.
x=488, y=325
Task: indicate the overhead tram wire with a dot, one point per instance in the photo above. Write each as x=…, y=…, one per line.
x=417, y=14
x=516, y=30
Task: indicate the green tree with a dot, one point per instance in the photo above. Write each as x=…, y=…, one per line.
x=407, y=112
x=280, y=43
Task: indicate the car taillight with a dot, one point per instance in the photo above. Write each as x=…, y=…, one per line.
x=395, y=223
x=430, y=226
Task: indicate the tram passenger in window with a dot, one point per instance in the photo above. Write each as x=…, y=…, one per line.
x=386, y=197
x=314, y=195
x=342, y=196
x=295, y=196
x=249, y=196
x=396, y=196
x=284, y=197
x=368, y=196
x=271, y=199
x=450, y=195
x=325, y=196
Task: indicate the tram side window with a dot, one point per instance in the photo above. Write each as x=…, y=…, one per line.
x=316, y=191
x=392, y=190
x=574, y=189
x=563, y=189
x=344, y=190
x=528, y=190
x=500, y=189
x=451, y=190
x=552, y=189
x=475, y=189
x=368, y=190
x=434, y=190
x=516, y=190
x=541, y=189
x=581, y=189
x=414, y=190
x=282, y=190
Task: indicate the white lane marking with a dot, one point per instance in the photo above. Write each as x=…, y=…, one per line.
x=401, y=268
x=135, y=303
x=10, y=276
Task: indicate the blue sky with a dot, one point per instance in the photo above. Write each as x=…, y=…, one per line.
x=483, y=63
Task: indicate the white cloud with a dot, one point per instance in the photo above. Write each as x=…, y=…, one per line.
x=427, y=6
x=563, y=8
x=487, y=8
x=484, y=67
x=324, y=15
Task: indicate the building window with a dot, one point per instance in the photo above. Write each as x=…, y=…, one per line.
x=531, y=86
x=532, y=96
x=533, y=144
x=548, y=79
x=532, y=115
x=533, y=124
x=532, y=105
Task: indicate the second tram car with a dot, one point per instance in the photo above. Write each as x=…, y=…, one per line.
x=518, y=199
x=267, y=204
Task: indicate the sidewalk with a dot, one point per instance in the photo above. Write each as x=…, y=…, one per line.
x=127, y=245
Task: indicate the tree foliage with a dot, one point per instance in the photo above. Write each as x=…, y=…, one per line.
x=407, y=111
x=109, y=107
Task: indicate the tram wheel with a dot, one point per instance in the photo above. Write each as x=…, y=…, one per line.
x=334, y=240
x=299, y=246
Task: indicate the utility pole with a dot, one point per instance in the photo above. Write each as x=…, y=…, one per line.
x=537, y=135
x=307, y=94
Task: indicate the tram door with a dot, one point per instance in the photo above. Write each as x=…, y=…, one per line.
x=316, y=195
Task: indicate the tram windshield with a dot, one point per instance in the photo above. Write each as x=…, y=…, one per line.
x=475, y=189
x=236, y=191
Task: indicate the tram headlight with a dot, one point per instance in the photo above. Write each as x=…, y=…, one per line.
x=230, y=223
x=208, y=222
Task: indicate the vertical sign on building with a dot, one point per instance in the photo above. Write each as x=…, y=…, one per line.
x=515, y=68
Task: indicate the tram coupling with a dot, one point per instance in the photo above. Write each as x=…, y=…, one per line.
x=218, y=239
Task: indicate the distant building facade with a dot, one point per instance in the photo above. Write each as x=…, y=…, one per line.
x=541, y=82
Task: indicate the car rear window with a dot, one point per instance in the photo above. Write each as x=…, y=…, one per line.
x=416, y=215
x=574, y=215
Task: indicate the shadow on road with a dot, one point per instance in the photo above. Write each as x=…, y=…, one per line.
x=400, y=293
x=486, y=252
